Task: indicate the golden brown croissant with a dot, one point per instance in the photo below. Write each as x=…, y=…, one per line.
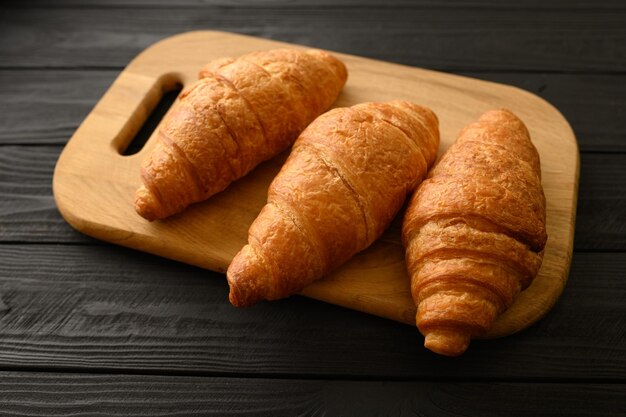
x=241, y=112
x=347, y=176
x=474, y=231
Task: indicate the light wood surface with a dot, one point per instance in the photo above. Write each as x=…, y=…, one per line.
x=94, y=184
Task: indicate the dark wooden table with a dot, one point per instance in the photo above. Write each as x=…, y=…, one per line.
x=89, y=328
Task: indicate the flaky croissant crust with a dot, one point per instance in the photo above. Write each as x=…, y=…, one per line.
x=474, y=231
x=346, y=178
x=241, y=112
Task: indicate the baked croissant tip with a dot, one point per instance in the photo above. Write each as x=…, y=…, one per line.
x=144, y=204
x=448, y=342
x=242, y=294
x=240, y=298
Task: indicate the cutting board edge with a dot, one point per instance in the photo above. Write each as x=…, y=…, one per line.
x=516, y=90
x=131, y=240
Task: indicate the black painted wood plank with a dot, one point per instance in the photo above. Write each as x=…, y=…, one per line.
x=52, y=394
x=601, y=210
x=28, y=212
x=27, y=208
x=46, y=106
x=443, y=4
x=451, y=39
x=109, y=309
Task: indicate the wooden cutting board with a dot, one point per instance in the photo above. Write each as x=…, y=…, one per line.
x=94, y=184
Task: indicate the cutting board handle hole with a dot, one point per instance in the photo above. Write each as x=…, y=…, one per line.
x=169, y=89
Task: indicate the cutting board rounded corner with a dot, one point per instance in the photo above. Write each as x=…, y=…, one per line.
x=552, y=112
x=78, y=219
x=94, y=186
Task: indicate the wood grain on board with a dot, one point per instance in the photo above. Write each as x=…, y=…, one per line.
x=94, y=185
x=95, y=328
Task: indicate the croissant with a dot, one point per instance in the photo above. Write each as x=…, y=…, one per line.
x=346, y=178
x=474, y=232
x=241, y=112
